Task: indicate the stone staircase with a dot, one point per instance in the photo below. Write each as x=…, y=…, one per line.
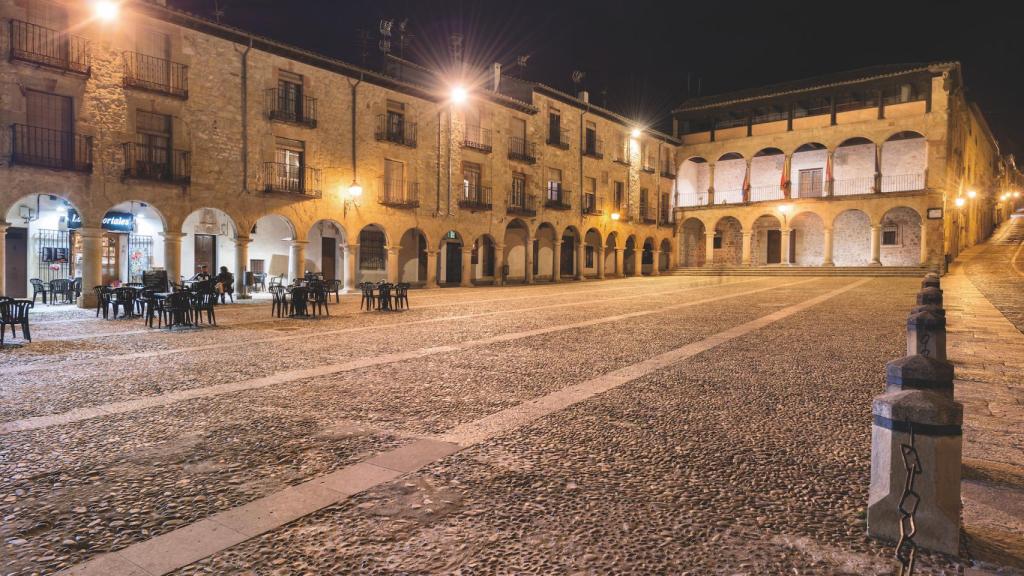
x=723, y=270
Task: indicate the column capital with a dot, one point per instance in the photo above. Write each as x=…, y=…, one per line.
x=433, y=253
x=350, y=247
x=242, y=240
x=90, y=232
x=298, y=243
x=392, y=249
x=4, y=225
x=467, y=251
x=173, y=236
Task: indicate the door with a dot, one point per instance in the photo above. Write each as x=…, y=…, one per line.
x=110, y=258
x=453, y=263
x=206, y=253
x=328, y=257
x=792, y=246
x=774, y=247
x=48, y=140
x=16, y=263
x=568, y=251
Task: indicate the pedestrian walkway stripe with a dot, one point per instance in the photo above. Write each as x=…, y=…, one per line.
x=285, y=376
x=181, y=547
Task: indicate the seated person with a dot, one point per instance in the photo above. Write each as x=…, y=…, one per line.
x=225, y=283
x=203, y=274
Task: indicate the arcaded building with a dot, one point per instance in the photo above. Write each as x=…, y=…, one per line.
x=886, y=166
x=156, y=139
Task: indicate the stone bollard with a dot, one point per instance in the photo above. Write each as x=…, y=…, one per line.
x=930, y=281
x=917, y=425
x=930, y=295
x=926, y=332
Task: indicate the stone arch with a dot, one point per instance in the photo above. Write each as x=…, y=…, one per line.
x=853, y=167
x=326, y=252
x=808, y=238
x=693, y=243
x=692, y=181
x=900, y=237
x=728, y=241
x=730, y=178
x=210, y=235
x=372, y=261
x=569, y=255
x=270, y=250
x=904, y=162
x=38, y=218
x=517, y=246
x=412, y=256
x=544, y=251
x=807, y=170
x=851, y=238
x=766, y=240
x=449, y=259
x=610, y=262
x=766, y=168
x=665, y=255
x=142, y=248
x=647, y=259
x=629, y=257
x=592, y=248
x=484, y=260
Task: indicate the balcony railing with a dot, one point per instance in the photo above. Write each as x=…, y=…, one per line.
x=521, y=150
x=34, y=146
x=668, y=172
x=283, y=106
x=666, y=218
x=903, y=182
x=152, y=163
x=729, y=196
x=154, y=74
x=594, y=147
x=649, y=166
x=621, y=156
x=699, y=199
x=477, y=138
x=475, y=197
x=556, y=198
x=648, y=214
x=395, y=129
x=592, y=205
x=851, y=186
x=558, y=138
x=766, y=193
x=398, y=193
x=522, y=203
x=46, y=47
x=291, y=179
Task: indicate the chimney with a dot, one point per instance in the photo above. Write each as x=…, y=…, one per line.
x=497, y=76
x=584, y=96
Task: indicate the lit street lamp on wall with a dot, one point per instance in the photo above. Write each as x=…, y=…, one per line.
x=105, y=10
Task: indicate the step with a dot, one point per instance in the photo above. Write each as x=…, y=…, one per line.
x=895, y=271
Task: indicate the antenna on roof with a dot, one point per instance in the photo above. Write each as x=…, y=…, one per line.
x=455, y=47
x=604, y=97
x=403, y=37
x=384, y=26
x=218, y=12
x=522, y=60
x=577, y=78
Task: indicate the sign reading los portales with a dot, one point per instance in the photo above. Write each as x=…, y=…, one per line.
x=112, y=221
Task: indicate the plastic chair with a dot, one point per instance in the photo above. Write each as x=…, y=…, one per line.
x=368, y=299
x=38, y=287
x=401, y=296
x=205, y=302
x=15, y=313
x=335, y=287
x=384, y=296
x=279, y=307
x=102, y=300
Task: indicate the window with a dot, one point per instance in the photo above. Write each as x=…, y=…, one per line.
x=890, y=235
x=289, y=96
x=590, y=139
x=518, y=190
x=589, y=251
x=470, y=181
x=590, y=194
x=290, y=159
x=554, y=184
x=718, y=241
x=371, y=250
x=554, y=126
x=396, y=121
x=153, y=132
x=394, y=180
x=620, y=195
x=810, y=183
x=643, y=202
x=154, y=66
x=518, y=128
x=48, y=15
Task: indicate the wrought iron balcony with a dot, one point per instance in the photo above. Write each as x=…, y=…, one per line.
x=592, y=205
x=279, y=177
x=283, y=106
x=35, y=146
x=151, y=163
x=153, y=74
x=398, y=193
x=648, y=166
x=477, y=138
x=52, y=48
x=903, y=182
x=556, y=198
x=697, y=199
x=521, y=151
x=559, y=138
x=594, y=148
x=766, y=193
x=648, y=214
x=668, y=172
x=521, y=203
x=666, y=220
x=622, y=157
x=475, y=197
x=395, y=129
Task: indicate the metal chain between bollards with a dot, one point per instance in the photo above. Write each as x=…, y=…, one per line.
x=906, y=548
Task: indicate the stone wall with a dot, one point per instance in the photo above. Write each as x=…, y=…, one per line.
x=851, y=239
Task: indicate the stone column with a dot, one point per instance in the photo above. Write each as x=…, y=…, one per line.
x=556, y=262
x=297, y=258
x=580, y=258
x=924, y=242
x=92, y=270
x=392, y=264
x=827, y=249
x=431, y=269
x=499, y=265
x=709, y=248
x=620, y=269
x=638, y=260
x=467, y=267
x=529, y=261
x=241, y=266
x=599, y=252
x=172, y=256
x=656, y=259
x=351, y=261
x=785, y=246
x=3, y=257
x=876, y=245
x=746, y=259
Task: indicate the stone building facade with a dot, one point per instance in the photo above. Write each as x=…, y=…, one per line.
x=887, y=166
x=158, y=139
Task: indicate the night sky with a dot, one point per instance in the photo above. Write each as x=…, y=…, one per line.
x=648, y=56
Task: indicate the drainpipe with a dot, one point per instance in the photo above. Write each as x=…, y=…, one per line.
x=437, y=200
x=448, y=151
x=583, y=112
x=354, y=86
x=245, y=117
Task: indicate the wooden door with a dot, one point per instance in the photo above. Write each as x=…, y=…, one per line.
x=453, y=263
x=774, y=247
x=568, y=251
x=328, y=257
x=792, y=246
x=206, y=253
x=16, y=263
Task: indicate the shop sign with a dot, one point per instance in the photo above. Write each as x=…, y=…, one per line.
x=112, y=221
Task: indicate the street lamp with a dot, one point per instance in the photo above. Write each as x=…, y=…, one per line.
x=105, y=10
x=971, y=194
x=959, y=202
x=635, y=133
x=459, y=95
x=616, y=216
